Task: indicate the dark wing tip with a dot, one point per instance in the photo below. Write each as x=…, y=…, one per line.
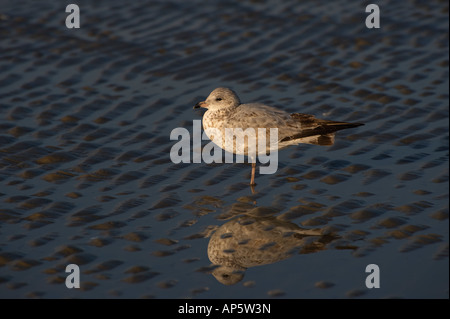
x=318, y=127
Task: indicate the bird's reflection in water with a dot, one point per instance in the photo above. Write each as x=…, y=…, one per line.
x=247, y=241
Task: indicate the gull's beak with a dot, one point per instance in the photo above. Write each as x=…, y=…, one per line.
x=201, y=104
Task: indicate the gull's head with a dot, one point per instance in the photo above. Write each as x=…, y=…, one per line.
x=220, y=98
x=229, y=275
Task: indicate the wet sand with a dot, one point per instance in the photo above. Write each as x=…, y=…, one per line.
x=86, y=177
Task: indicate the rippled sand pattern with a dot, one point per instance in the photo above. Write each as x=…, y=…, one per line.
x=86, y=177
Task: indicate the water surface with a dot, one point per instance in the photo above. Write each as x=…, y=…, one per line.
x=86, y=177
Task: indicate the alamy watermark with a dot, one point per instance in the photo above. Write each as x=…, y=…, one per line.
x=73, y=279
x=73, y=19
x=373, y=279
x=257, y=144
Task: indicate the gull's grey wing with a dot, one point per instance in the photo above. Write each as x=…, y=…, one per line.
x=290, y=126
x=254, y=115
x=311, y=126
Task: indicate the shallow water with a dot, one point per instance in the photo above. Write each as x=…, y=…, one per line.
x=86, y=177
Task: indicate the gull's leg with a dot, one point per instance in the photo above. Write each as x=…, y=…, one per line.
x=252, y=180
x=252, y=187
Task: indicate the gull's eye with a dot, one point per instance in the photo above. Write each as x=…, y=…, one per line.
x=219, y=99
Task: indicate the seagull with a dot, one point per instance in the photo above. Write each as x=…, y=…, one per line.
x=248, y=241
x=225, y=110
